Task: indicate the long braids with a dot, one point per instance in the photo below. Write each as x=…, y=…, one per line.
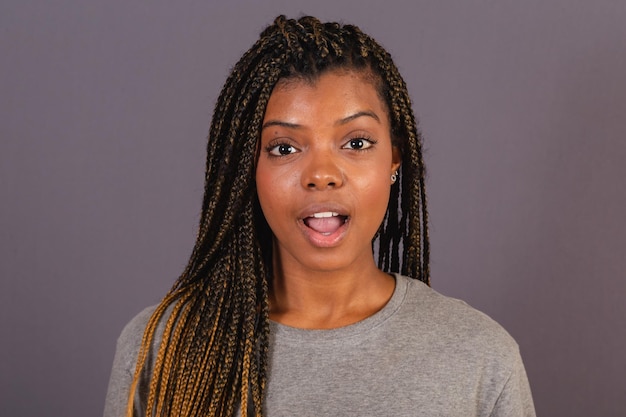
x=212, y=355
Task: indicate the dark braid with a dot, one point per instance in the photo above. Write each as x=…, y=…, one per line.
x=212, y=358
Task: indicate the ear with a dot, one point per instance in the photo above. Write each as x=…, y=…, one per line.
x=396, y=158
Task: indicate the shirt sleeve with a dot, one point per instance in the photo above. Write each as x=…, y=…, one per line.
x=119, y=385
x=516, y=398
x=124, y=362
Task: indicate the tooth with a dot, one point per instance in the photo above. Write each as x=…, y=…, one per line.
x=325, y=214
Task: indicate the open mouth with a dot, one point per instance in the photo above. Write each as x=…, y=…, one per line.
x=325, y=223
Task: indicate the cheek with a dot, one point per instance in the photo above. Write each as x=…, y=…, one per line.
x=375, y=195
x=380, y=195
x=265, y=190
x=273, y=192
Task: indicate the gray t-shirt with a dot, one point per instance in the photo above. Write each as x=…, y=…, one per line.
x=423, y=354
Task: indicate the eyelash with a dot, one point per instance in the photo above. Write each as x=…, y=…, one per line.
x=370, y=142
x=365, y=138
x=274, y=145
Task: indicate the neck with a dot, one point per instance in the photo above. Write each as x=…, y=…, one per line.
x=328, y=299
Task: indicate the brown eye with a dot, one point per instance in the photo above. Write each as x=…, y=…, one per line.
x=358, y=144
x=282, y=149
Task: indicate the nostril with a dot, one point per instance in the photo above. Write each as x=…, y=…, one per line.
x=331, y=184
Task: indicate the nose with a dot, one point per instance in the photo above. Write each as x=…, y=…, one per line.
x=322, y=172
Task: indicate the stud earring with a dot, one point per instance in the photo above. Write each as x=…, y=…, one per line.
x=394, y=177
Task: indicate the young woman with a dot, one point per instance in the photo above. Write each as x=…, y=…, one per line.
x=297, y=299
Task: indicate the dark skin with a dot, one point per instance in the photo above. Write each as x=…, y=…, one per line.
x=323, y=180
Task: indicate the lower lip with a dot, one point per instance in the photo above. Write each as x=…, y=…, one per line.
x=322, y=240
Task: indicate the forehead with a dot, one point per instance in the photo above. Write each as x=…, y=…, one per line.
x=366, y=75
x=331, y=88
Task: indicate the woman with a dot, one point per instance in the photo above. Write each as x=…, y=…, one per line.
x=314, y=164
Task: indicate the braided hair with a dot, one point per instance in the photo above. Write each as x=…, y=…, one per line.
x=212, y=355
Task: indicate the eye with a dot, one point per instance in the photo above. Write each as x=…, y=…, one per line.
x=281, y=149
x=359, y=144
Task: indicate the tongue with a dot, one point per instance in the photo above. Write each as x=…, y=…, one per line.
x=324, y=224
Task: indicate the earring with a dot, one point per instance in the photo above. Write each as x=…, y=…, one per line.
x=394, y=177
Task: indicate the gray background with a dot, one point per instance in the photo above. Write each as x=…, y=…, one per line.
x=105, y=106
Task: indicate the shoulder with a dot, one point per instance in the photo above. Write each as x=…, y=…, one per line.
x=137, y=323
x=453, y=322
x=129, y=341
x=128, y=345
x=465, y=348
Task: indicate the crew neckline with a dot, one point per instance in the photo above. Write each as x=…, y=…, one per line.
x=289, y=333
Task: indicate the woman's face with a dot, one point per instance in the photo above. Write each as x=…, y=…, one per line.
x=324, y=171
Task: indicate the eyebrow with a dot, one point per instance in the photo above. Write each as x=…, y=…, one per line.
x=271, y=123
x=365, y=113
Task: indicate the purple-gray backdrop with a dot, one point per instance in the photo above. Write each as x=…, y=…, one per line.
x=105, y=106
